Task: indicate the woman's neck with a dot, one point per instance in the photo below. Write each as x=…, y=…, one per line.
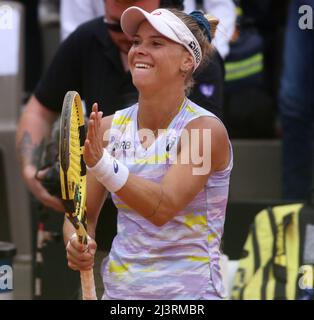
x=154, y=109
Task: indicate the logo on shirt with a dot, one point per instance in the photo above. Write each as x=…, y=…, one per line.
x=171, y=143
x=124, y=145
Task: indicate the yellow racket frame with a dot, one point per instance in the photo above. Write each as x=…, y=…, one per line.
x=73, y=176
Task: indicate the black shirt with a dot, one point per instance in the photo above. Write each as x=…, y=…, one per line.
x=89, y=63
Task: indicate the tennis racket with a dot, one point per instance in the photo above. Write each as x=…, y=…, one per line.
x=73, y=176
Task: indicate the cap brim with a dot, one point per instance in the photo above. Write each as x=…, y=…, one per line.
x=132, y=18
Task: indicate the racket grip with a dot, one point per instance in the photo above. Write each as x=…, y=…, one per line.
x=88, y=285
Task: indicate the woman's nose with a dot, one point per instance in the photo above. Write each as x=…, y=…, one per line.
x=141, y=49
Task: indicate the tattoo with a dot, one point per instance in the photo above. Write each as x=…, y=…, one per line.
x=29, y=153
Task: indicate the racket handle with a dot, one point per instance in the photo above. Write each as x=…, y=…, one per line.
x=88, y=285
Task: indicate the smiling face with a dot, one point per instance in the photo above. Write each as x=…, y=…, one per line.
x=114, y=10
x=156, y=61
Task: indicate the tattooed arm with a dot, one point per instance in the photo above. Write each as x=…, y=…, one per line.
x=34, y=126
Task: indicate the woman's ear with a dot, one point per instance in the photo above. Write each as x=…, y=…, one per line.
x=187, y=63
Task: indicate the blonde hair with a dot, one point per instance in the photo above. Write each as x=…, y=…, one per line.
x=202, y=39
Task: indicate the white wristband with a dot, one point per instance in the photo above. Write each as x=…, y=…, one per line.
x=110, y=172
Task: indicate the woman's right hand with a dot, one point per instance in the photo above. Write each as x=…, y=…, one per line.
x=93, y=150
x=35, y=186
x=81, y=257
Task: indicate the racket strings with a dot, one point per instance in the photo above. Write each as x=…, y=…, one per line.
x=76, y=151
x=75, y=178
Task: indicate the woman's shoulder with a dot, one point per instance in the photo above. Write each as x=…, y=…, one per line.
x=202, y=118
x=213, y=124
x=120, y=117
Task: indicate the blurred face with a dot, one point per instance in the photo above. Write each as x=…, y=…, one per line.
x=156, y=61
x=114, y=10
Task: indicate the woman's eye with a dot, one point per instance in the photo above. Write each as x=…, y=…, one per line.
x=156, y=43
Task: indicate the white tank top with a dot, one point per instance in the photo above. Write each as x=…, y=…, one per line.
x=179, y=260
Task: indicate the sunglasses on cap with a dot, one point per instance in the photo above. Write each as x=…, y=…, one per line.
x=113, y=26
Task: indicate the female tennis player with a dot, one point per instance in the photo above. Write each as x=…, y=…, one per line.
x=167, y=164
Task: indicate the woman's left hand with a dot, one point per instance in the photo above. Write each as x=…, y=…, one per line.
x=93, y=143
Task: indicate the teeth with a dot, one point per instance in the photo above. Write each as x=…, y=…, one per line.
x=142, y=66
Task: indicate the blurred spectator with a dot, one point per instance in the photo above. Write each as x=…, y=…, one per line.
x=268, y=17
x=296, y=100
x=249, y=108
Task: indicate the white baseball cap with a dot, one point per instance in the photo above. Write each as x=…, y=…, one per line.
x=167, y=24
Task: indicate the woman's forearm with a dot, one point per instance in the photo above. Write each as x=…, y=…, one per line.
x=153, y=201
